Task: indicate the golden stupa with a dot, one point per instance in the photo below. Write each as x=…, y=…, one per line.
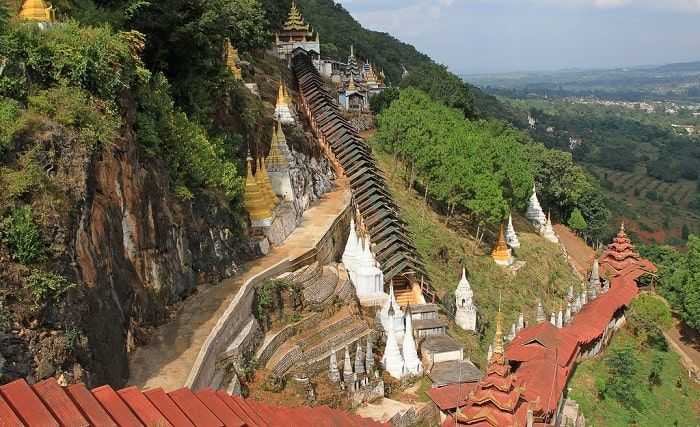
x=254, y=199
x=231, y=59
x=281, y=137
x=281, y=99
x=501, y=253
x=36, y=10
x=275, y=158
x=351, y=85
x=265, y=186
x=286, y=95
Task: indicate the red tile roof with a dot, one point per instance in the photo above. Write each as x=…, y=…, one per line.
x=49, y=404
x=621, y=260
x=451, y=396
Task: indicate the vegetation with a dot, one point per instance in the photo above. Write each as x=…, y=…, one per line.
x=47, y=287
x=22, y=235
x=445, y=249
x=441, y=85
x=678, y=278
x=637, y=380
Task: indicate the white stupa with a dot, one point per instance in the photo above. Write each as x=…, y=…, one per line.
x=398, y=317
x=465, y=316
x=521, y=322
x=410, y=355
x=541, y=317
x=369, y=279
x=351, y=252
x=548, y=231
x=511, y=237
x=283, y=113
x=392, y=360
x=534, y=211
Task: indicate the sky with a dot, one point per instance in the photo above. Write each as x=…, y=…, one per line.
x=485, y=36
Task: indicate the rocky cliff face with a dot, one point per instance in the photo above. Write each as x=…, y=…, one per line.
x=133, y=252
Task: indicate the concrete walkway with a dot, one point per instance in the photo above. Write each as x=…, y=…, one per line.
x=171, y=352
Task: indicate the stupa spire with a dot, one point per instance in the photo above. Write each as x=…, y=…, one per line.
x=534, y=211
x=333, y=372
x=254, y=200
x=511, y=237
x=498, y=339
x=548, y=231
x=264, y=181
x=392, y=359
x=232, y=60
x=465, y=315
x=410, y=355
x=541, y=317
x=36, y=10
x=501, y=254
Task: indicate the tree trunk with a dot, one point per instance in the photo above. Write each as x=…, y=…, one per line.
x=396, y=165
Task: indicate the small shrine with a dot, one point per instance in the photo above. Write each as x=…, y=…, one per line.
x=548, y=232
x=502, y=254
x=511, y=237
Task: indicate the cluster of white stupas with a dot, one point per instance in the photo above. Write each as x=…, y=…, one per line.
x=399, y=362
x=353, y=377
x=362, y=266
x=542, y=222
x=465, y=315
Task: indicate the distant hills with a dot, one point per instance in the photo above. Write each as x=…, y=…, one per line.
x=670, y=82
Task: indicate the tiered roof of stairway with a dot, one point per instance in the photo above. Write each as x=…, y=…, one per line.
x=49, y=404
x=348, y=151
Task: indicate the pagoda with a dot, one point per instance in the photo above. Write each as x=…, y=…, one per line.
x=511, y=237
x=37, y=10
x=393, y=359
x=278, y=169
x=254, y=200
x=497, y=399
x=351, y=253
x=502, y=254
x=264, y=182
x=369, y=278
x=398, y=315
x=283, y=146
x=534, y=211
x=283, y=113
x=621, y=260
x=465, y=316
x=295, y=33
x=232, y=60
x=548, y=231
x=410, y=355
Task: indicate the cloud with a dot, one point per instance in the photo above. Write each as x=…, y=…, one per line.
x=400, y=17
x=669, y=5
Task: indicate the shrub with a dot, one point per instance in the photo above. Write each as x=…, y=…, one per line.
x=648, y=316
x=47, y=286
x=10, y=122
x=22, y=235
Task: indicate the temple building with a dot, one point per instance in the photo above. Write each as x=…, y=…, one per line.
x=356, y=85
x=511, y=237
x=548, y=231
x=465, y=316
x=621, y=260
x=283, y=112
x=295, y=33
x=38, y=11
x=534, y=211
x=498, y=399
x=233, y=60
x=278, y=168
x=502, y=254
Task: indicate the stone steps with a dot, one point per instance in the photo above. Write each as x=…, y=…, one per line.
x=322, y=288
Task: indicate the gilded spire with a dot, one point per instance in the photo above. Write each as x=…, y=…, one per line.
x=253, y=198
x=294, y=20
x=280, y=133
x=281, y=99
x=351, y=85
x=352, y=51
x=287, y=98
x=498, y=348
x=276, y=158
x=231, y=60
x=266, y=188
x=549, y=218
x=36, y=10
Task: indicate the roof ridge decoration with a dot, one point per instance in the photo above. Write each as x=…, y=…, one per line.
x=295, y=22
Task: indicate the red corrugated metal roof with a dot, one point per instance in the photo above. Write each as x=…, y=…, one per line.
x=49, y=404
x=451, y=396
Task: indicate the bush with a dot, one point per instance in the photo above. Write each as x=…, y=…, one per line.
x=22, y=235
x=648, y=316
x=47, y=287
x=10, y=122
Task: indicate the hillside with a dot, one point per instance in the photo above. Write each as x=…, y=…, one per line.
x=445, y=250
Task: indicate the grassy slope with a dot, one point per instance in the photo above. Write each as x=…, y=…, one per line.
x=676, y=401
x=547, y=275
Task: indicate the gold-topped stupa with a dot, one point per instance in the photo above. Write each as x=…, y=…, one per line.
x=351, y=85
x=275, y=158
x=254, y=199
x=286, y=94
x=231, y=60
x=294, y=20
x=501, y=254
x=281, y=98
x=498, y=339
x=36, y=10
x=264, y=180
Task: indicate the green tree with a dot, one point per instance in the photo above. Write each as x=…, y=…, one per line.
x=380, y=101
x=686, y=279
x=4, y=15
x=648, y=316
x=576, y=221
x=623, y=368
x=440, y=84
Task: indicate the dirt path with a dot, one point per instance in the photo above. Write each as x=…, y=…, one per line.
x=687, y=341
x=580, y=254
x=169, y=356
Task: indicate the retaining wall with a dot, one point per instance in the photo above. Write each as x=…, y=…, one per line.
x=238, y=314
